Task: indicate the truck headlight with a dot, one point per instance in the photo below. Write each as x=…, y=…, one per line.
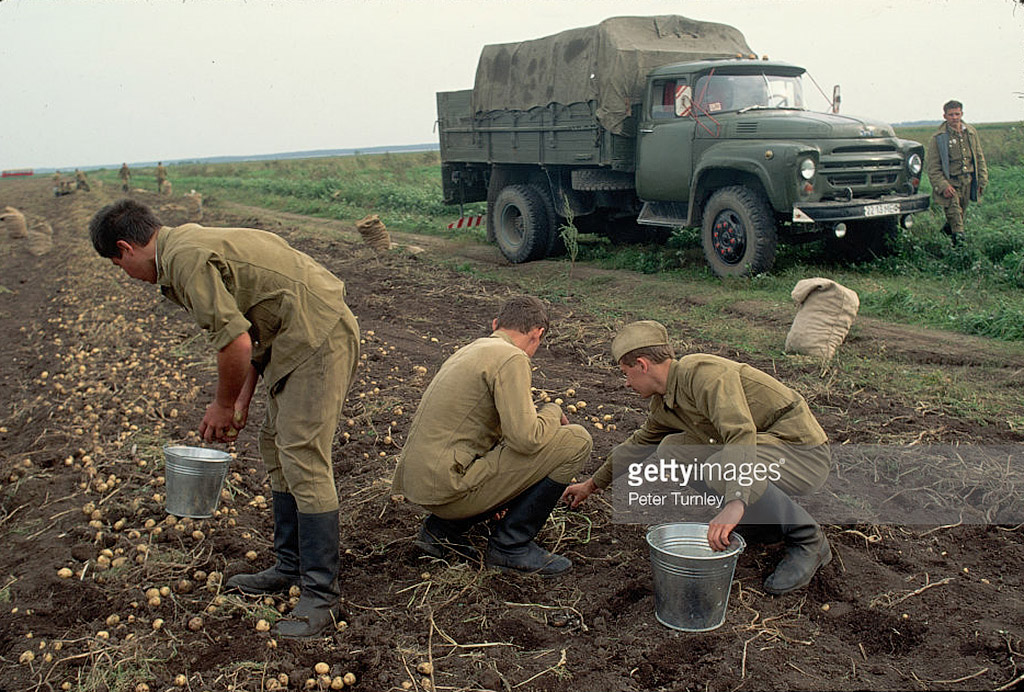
x=807, y=169
x=914, y=164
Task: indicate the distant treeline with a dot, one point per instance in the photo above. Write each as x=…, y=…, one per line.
x=312, y=154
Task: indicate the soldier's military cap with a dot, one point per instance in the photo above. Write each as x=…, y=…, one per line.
x=638, y=335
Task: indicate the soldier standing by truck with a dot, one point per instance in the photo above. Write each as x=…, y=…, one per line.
x=956, y=168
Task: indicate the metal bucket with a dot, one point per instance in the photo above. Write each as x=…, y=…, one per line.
x=194, y=478
x=691, y=581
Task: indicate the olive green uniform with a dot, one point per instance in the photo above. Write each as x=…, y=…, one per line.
x=478, y=440
x=161, y=176
x=711, y=400
x=126, y=177
x=305, y=340
x=956, y=158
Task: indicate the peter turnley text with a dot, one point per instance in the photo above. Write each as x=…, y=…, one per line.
x=672, y=471
x=675, y=498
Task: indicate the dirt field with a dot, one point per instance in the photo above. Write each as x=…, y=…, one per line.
x=99, y=372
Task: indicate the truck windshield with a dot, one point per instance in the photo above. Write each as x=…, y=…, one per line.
x=718, y=93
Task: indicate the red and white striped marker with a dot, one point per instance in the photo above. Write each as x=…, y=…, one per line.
x=466, y=222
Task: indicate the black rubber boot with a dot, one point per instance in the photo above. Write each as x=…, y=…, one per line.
x=511, y=545
x=439, y=537
x=807, y=549
x=947, y=229
x=285, y=574
x=317, y=610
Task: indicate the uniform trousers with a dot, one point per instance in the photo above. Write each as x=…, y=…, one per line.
x=561, y=460
x=956, y=206
x=302, y=416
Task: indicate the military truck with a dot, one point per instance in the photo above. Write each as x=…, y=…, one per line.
x=640, y=125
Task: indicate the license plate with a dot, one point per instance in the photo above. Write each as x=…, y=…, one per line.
x=882, y=209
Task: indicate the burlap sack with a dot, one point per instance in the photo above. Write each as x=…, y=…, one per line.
x=375, y=234
x=14, y=220
x=826, y=311
x=40, y=238
x=165, y=188
x=194, y=204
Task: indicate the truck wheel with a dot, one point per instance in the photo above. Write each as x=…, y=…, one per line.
x=865, y=240
x=556, y=246
x=497, y=182
x=738, y=233
x=522, y=224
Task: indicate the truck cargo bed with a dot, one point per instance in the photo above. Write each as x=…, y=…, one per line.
x=556, y=134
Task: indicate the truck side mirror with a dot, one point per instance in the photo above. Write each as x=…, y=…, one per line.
x=835, y=99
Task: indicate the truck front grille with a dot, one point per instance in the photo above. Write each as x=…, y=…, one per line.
x=867, y=167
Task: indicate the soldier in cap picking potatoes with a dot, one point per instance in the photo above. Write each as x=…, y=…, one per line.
x=732, y=414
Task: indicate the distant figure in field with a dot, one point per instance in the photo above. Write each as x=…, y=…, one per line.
x=56, y=183
x=126, y=177
x=956, y=168
x=80, y=182
x=161, y=176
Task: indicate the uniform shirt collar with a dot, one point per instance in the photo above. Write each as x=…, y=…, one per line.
x=671, y=383
x=161, y=239
x=502, y=335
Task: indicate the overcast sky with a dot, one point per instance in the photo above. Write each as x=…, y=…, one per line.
x=95, y=82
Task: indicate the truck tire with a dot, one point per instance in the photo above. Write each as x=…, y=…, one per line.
x=522, y=224
x=865, y=240
x=556, y=246
x=738, y=232
x=496, y=183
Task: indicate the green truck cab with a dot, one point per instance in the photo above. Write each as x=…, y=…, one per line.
x=640, y=125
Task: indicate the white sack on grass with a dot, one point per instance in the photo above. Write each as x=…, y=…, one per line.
x=826, y=311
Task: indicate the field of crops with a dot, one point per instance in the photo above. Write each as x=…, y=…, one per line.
x=104, y=592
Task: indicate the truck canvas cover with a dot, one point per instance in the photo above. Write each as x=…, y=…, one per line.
x=607, y=63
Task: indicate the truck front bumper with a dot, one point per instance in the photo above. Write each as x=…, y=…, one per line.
x=856, y=209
